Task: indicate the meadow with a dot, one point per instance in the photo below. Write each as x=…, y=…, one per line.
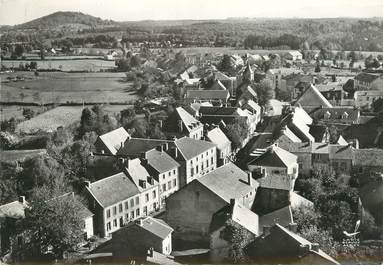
x=90, y=65
x=59, y=88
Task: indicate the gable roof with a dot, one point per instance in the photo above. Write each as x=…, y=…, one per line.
x=113, y=189
x=113, y=139
x=190, y=147
x=207, y=94
x=218, y=111
x=217, y=137
x=227, y=182
x=275, y=157
x=217, y=85
x=282, y=216
x=136, y=171
x=366, y=77
x=136, y=146
x=13, y=209
x=190, y=123
x=312, y=97
x=161, y=161
x=152, y=225
x=336, y=114
x=239, y=214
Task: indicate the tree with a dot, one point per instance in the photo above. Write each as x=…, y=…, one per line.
x=19, y=50
x=51, y=222
x=87, y=122
x=33, y=65
x=265, y=91
x=317, y=68
x=127, y=116
x=238, y=132
x=226, y=65
x=28, y=113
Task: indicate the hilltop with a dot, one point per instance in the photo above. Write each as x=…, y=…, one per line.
x=61, y=18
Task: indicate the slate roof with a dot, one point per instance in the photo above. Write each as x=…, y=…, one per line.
x=318, y=132
x=286, y=131
x=136, y=171
x=283, y=216
x=217, y=137
x=190, y=148
x=161, y=161
x=207, y=94
x=13, y=209
x=219, y=111
x=312, y=97
x=136, y=146
x=302, y=241
x=228, y=182
x=275, y=157
x=217, y=85
x=154, y=226
x=252, y=106
x=239, y=214
x=113, y=139
x=190, y=123
x=113, y=189
x=366, y=77
x=336, y=113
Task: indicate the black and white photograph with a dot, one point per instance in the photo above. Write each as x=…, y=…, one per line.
x=177, y=132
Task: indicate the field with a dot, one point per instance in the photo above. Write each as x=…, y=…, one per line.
x=91, y=65
x=59, y=87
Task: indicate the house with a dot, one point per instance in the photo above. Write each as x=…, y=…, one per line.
x=274, y=107
x=181, y=123
x=212, y=96
x=145, y=233
x=233, y=214
x=283, y=216
x=111, y=142
x=217, y=137
x=365, y=98
x=311, y=99
x=281, y=245
x=278, y=169
x=336, y=115
x=10, y=213
x=134, y=147
x=196, y=157
x=253, y=107
x=165, y=171
x=277, y=77
x=294, y=56
x=106, y=196
x=296, y=84
x=205, y=196
x=368, y=81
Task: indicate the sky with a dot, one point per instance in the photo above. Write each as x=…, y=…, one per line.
x=19, y=11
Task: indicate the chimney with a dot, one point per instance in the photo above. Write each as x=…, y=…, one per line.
x=250, y=178
x=232, y=201
x=122, y=145
x=22, y=199
x=266, y=230
x=150, y=252
x=160, y=123
x=293, y=227
x=315, y=247
x=87, y=183
x=305, y=248
x=165, y=146
x=143, y=155
x=180, y=126
x=160, y=148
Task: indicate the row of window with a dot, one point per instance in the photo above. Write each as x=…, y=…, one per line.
x=202, y=155
x=196, y=169
x=132, y=202
x=169, y=174
x=168, y=186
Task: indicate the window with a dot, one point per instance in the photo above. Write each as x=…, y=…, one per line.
x=127, y=217
x=108, y=213
x=132, y=214
x=174, y=171
x=120, y=207
x=192, y=172
x=212, y=161
x=115, y=222
x=131, y=202
x=137, y=200
x=138, y=212
x=196, y=169
x=169, y=185
x=154, y=194
x=207, y=153
x=114, y=210
x=126, y=205
x=147, y=197
x=163, y=187
x=202, y=166
x=174, y=182
x=163, y=176
x=121, y=222
x=108, y=227
x=169, y=174
x=207, y=163
x=145, y=210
